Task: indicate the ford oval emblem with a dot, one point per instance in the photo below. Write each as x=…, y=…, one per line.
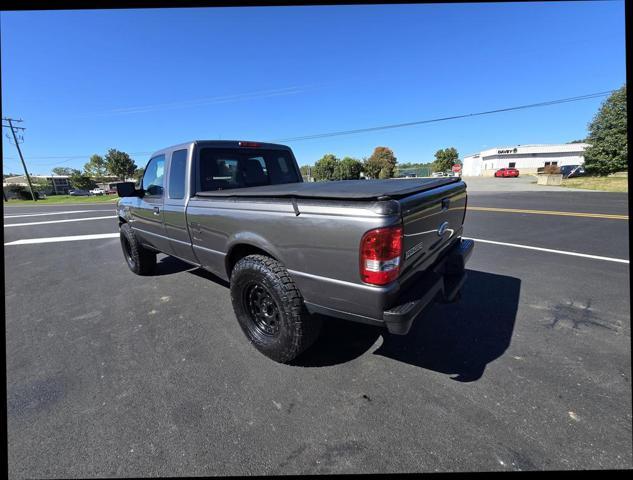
x=442, y=229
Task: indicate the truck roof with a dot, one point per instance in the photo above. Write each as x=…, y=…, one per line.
x=223, y=144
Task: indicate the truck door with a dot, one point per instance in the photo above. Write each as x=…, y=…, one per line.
x=147, y=217
x=174, y=207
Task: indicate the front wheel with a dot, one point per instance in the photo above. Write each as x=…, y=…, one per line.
x=270, y=309
x=140, y=260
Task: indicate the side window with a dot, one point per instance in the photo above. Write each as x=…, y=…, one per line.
x=282, y=169
x=283, y=165
x=177, y=170
x=153, y=177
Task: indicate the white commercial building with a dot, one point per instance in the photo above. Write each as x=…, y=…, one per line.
x=525, y=158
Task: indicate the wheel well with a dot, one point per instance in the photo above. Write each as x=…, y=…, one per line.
x=240, y=251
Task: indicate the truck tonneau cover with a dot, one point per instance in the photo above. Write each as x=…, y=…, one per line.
x=341, y=189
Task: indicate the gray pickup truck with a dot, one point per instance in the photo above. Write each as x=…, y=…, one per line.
x=371, y=251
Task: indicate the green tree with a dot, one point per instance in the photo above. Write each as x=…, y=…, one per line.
x=81, y=181
x=63, y=171
x=42, y=184
x=608, y=152
x=348, y=169
x=96, y=167
x=577, y=141
x=381, y=163
x=325, y=167
x=119, y=164
x=445, y=159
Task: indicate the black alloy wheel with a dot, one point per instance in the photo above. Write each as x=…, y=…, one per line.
x=262, y=309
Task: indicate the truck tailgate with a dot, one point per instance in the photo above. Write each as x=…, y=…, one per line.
x=432, y=220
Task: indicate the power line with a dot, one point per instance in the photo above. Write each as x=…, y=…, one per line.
x=74, y=157
x=453, y=117
x=70, y=158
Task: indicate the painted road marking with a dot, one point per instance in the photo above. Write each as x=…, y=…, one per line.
x=70, y=238
x=58, y=221
x=560, y=252
x=551, y=212
x=97, y=236
x=110, y=201
x=54, y=213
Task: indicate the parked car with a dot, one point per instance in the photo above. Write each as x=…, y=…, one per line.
x=110, y=191
x=79, y=193
x=371, y=251
x=438, y=174
x=507, y=172
x=97, y=191
x=570, y=171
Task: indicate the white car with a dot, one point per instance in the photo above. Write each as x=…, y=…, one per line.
x=97, y=191
x=438, y=174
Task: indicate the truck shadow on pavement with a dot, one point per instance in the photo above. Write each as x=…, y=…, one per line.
x=171, y=265
x=457, y=339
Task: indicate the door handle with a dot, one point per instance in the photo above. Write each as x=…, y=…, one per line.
x=156, y=211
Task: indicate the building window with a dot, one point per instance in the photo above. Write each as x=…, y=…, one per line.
x=512, y=164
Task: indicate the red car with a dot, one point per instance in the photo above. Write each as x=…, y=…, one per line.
x=507, y=172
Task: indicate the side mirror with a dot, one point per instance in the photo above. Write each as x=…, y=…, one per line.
x=127, y=189
x=155, y=190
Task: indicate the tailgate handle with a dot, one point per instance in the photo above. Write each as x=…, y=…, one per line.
x=445, y=203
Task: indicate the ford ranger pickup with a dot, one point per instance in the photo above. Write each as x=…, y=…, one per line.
x=370, y=251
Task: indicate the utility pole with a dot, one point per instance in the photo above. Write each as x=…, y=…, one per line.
x=17, y=145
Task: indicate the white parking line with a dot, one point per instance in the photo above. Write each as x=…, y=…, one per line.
x=70, y=238
x=97, y=236
x=560, y=252
x=58, y=221
x=54, y=213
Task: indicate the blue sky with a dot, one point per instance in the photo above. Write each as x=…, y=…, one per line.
x=139, y=80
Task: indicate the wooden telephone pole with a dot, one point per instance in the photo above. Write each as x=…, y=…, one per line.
x=17, y=145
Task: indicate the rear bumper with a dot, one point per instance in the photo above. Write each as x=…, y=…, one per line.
x=443, y=280
x=396, y=306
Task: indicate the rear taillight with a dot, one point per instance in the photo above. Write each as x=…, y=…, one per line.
x=380, y=252
x=249, y=144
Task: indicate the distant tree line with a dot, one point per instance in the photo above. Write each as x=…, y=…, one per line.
x=382, y=163
x=114, y=163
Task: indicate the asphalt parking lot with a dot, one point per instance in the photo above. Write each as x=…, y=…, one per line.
x=109, y=374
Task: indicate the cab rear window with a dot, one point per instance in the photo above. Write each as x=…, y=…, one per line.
x=221, y=169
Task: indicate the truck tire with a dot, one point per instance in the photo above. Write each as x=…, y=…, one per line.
x=140, y=260
x=270, y=309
